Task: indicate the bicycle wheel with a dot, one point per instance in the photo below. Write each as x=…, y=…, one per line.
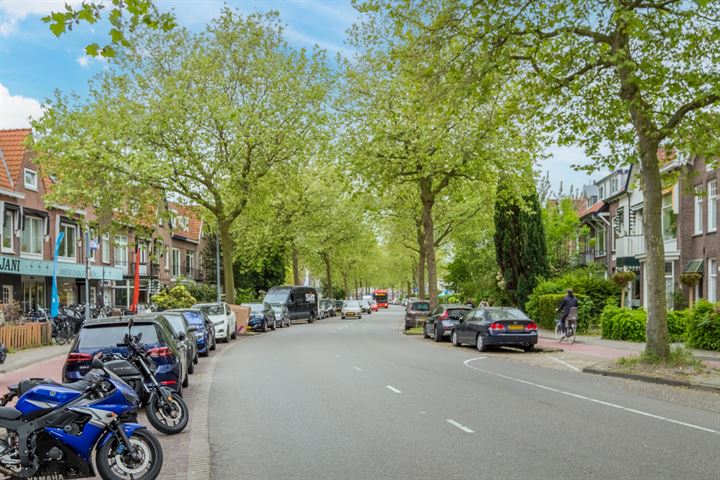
x=570, y=334
x=62, y=335
x=558, y=332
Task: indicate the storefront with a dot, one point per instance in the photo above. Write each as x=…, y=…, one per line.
x=30, y=281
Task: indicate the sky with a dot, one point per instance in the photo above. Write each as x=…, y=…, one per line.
x=34, y=63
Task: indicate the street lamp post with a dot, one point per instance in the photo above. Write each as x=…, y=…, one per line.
x=87, y=274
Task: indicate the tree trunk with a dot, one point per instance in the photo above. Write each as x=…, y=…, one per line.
x=656, y=329
x=346, y=285
x=428, y=202
x=328, y=274
x=227, y=246
x=357, y=291
x=422, y=261
x=296, y=266
x=622, y=297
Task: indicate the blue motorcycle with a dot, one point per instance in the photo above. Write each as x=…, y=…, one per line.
x=53, y=429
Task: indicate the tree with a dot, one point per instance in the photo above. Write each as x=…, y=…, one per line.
x=204, y=117
x=633, y=76
x=125, y=16
x=561, y=224
x=519, y=242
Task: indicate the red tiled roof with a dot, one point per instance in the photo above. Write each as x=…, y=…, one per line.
x=594, y=208
x=12, y=144
x=194, y=222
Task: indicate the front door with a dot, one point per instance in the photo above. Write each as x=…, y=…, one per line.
x=7, y=294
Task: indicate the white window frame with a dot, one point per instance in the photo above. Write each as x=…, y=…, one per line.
x=33, y=185
x=670, y=282
x=712, y=295
x=65, y=258
x=32, y=220
x=166, y=257
x=121, y=244
x=668, y=206
x=712, y=208
x=189, y=261
x=698, y=201
x=105, y=247
x=11, y=236
x=175, y=265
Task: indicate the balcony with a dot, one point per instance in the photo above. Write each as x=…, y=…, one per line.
x=587, y=257
x=146, y=270
x=634, y=246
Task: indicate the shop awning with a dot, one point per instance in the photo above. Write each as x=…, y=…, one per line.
x=695, y=266
x=628, y=262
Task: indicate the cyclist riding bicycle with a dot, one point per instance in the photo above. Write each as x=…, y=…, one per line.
x=567, y=304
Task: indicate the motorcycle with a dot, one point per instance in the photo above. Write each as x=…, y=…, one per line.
x=166, y=410
x=53, y=429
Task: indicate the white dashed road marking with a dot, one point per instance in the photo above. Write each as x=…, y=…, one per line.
x=358, y=369
x=563, y=362
x=392, y=389
x=460, y=426
x=589, y=399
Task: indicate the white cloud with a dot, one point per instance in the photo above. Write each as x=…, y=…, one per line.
x=561, y=163
x=13, y=12
x=294, y=36
x=83, y=61
x=16, y=110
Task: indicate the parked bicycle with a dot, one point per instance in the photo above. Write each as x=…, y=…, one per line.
x=63, y=330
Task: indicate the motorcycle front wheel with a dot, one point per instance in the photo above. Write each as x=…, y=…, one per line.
x=115, y=462
x=168, y=417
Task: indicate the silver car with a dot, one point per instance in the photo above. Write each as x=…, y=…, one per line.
x=351, y=309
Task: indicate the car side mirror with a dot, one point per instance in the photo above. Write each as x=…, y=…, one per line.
x=182, y=336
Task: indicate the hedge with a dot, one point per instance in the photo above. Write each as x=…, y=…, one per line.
x=678, y=324
x=543, y=310
x=627, y=324
x=704, y=326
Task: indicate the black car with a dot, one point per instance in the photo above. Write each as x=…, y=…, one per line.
x=185, y=335
x=301, y=302
x=261, y=317
x=416, y=313
x=441, y=321
x=104, y=335
x=495, y=326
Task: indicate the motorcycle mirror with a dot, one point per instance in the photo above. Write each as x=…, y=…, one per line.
x=97, y=363
x=139, y=336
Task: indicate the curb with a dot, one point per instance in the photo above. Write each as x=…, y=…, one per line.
x=655, y=380
x=30, y=362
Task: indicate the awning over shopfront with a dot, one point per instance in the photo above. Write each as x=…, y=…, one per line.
x=695, y=266
x=630, y=263
x=24, y=266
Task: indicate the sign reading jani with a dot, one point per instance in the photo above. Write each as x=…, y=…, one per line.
x=25, y=266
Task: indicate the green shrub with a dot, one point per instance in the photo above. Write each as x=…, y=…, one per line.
x=678, y=323
x=623, y=323
x=202, y=292
x=704, y=326
x=176, y=297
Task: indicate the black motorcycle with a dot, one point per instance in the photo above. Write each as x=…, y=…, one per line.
x=166, y=410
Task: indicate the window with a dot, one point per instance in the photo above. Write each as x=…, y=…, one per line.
x=613, y=185
x=7, y=231
x=32, y=237
x=712, y=280
x=669, y=285
x=105, y=246
x=189, y=261
x=175, y=262
x=669, y=219
x=712, y=205
x=619, y=222
x=166, y=257
x=120, y=251
x=183, y=223
x=602, y=192
x=698, y=211
x=599, y=242
x=67, y=246
x=31, y=179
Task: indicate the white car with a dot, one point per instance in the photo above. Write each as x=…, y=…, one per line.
x=222, y=318
x=351, y=309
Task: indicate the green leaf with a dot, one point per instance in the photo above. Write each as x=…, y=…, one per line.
x=116, y=35
x=108, y=51
x=92, y=49
x=57, y=28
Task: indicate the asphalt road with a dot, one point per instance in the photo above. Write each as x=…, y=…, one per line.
x=344, y=399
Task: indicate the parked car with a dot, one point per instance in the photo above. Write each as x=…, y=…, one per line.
x=222, y=317
x=338, y=305
x=205, y=330
x=281, y=314
x=185, y=334
x=262, y=317
x=327, y=308
x=441, y=321
x=495, y=326
x=365, y=305
x=103, y=335
x=416, y=313
x=301, y=302
x=374, y=306
x=351, y=309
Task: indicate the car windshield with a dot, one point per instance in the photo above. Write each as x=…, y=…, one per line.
x=457, y=312
x=255, y=307
x=278, y=296
x=507, y=314
x=212, y=309
x=421, y=306
x=194, y=318
x=176, y=322
x=352, y=304
x=103, y=336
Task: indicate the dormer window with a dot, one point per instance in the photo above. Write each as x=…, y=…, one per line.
x=31, y=179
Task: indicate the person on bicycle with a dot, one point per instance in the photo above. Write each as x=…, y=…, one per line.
x=566, y=304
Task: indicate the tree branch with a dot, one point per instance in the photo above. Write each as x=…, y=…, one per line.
x=696, y=104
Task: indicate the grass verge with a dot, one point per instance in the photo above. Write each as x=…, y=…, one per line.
x=414, y=331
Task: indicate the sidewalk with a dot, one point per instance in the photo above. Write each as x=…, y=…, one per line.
x=23, y=358
x=613, y=349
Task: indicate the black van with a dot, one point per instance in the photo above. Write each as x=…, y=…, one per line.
x=301, y=302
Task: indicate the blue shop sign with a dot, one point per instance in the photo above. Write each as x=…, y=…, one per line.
x=24, y=266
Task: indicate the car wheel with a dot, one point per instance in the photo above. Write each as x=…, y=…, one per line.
x=264, y=326
x=288, y=321
x=233, y=327
x=274, y=326
x=186, y=382
x=454, y=338
x=311, y=318
x=437, y=336
x=480, y=343
x=342, y=317
x=528, y=348
x=191, y=367
x=425, y=334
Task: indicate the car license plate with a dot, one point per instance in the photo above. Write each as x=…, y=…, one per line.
x=350, y=314
x=515, y=328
